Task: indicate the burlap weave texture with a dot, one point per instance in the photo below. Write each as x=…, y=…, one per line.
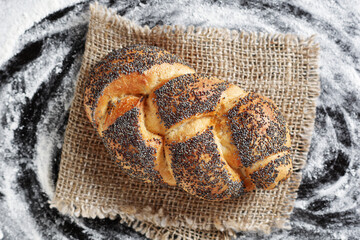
x=281, y=67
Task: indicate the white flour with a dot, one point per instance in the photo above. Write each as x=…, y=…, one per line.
x=339, y=71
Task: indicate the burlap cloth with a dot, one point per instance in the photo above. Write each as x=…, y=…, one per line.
x=282, y=67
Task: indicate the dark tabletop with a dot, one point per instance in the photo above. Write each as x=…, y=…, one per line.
x=42, y=43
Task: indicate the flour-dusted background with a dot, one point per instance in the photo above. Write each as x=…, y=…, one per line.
x=41, y=45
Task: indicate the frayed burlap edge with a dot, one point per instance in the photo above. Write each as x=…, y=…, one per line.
x=153, y=224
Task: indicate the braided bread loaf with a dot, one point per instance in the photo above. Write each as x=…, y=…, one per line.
x=165, y=124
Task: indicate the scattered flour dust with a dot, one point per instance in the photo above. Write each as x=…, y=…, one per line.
x=43, y=163
x=16, y=221
x=48, y=137
x=14, y=208
x=16, y=17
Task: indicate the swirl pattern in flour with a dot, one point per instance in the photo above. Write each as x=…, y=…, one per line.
x=37, y=77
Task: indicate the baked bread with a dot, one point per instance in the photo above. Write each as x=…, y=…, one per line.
x=165, y=124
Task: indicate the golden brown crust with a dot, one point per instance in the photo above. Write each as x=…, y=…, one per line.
x=131, y=70
x=135, y=59
x=267, y=176
x=118, y=108
x=164, y=124
x=186, y=97
x=200, y=169
x=261, y=136
x=136, y=154
x=258, y=129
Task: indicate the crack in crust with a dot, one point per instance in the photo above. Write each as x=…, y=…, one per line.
x=130, y=150
x=259, y=130
x=198, y=167
x=164, y=124
x=187, y=96
x=125, y=61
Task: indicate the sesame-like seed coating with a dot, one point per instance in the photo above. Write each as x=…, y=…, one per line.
x=127, y=60
x=127, y=147
x=265, y=176
x=199, y=169
x=254, y=133
x=186, y=96
x=284, y=160
x=259, y=138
